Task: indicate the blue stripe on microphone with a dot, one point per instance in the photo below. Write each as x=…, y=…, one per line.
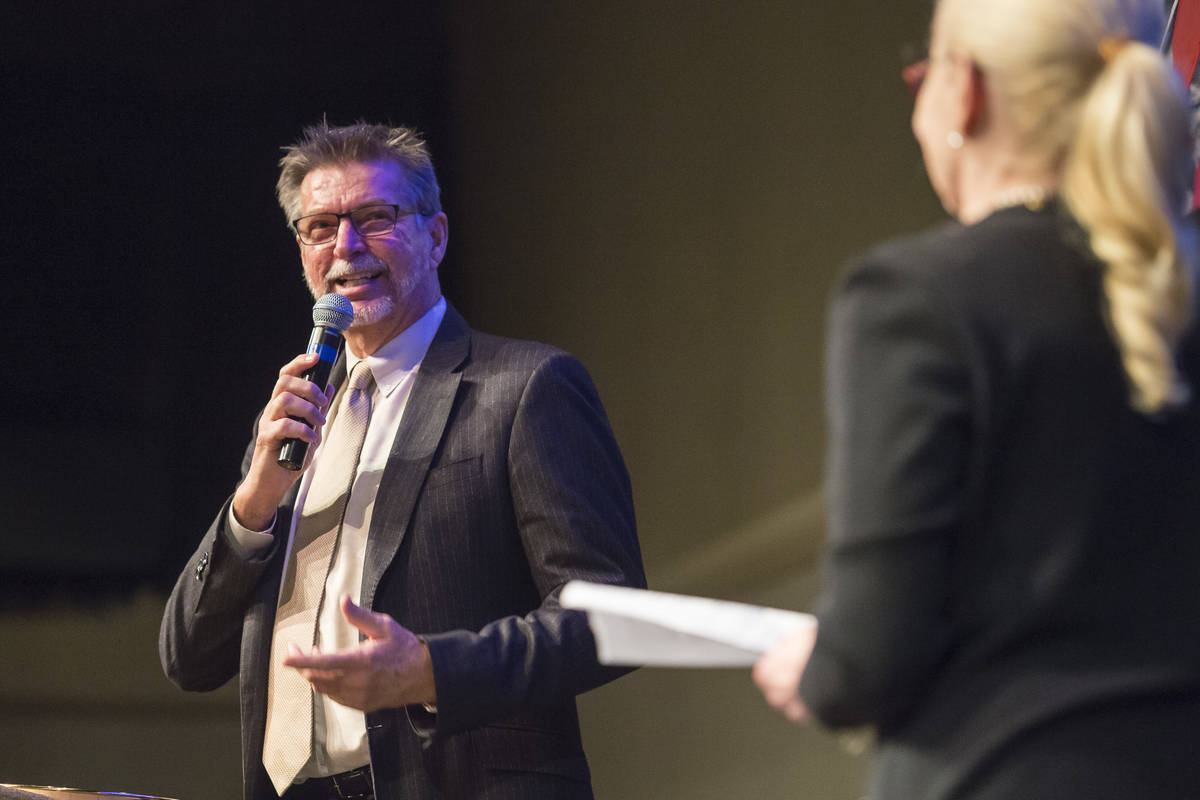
x=326, y=352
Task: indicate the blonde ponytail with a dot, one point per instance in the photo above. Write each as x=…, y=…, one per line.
x=1089, y=95
x=1124, y=182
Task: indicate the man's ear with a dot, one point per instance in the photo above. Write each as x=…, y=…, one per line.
x=439, y=232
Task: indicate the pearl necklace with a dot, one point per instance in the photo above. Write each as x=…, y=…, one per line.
x=1032, y=196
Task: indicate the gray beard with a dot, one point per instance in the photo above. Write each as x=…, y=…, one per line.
x=373, y=311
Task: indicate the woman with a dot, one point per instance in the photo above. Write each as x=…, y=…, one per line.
x=1013, y=577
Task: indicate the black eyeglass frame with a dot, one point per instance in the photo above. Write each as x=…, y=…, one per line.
x=395, y=207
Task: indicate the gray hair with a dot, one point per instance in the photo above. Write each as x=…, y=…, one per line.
x=321, y=145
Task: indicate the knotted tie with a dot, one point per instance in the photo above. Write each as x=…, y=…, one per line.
x=289, y=737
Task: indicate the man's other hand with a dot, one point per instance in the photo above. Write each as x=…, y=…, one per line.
x=389, y=669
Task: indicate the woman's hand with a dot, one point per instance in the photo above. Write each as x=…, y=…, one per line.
x=779, y=670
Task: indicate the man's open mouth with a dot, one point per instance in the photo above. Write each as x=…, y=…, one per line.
x=359, y=279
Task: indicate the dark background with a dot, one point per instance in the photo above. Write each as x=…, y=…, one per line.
x=155, y=286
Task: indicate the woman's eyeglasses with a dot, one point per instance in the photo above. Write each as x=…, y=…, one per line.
x=914, y=75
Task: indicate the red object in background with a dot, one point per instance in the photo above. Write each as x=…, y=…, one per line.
x=1185, y=39
x=1196, y=191
x=1185, y=52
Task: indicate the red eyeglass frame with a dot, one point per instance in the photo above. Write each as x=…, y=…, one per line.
x=914, y=75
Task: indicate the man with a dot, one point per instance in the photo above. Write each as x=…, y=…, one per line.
x=429, y=656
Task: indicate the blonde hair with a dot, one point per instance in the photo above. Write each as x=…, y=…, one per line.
x=1091, y=98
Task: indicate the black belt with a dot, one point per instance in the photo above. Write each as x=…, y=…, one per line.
x=352, y=785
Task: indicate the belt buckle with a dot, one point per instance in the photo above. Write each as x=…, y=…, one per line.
x=357, y=784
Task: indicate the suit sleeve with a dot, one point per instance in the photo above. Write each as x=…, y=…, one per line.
x=574, y=513
x=897, y=394
x=200, y=636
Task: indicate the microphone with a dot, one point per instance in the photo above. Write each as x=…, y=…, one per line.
x=331, y=315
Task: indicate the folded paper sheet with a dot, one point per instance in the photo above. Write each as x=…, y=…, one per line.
x=637, y=627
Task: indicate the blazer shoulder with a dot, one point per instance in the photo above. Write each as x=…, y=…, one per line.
x=1007, y=237
x=514, y=363
x=1015, y=268
x=500, y=353
x=458, y=346
x=916, y=251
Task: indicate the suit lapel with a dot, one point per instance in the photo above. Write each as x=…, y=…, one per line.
x=421, y=430
x=338, y=373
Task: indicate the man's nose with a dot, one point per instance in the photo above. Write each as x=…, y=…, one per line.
x=348, y=239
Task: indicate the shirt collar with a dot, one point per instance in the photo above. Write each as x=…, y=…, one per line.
x=397, y=359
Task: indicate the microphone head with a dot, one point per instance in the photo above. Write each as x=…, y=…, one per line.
x=333, y=311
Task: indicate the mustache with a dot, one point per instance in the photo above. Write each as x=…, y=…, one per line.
x=365, y=264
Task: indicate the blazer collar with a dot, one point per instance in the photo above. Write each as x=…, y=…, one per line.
x=450, y=347
x=425, y=418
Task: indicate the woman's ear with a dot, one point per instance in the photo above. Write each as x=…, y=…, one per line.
x=974, y=98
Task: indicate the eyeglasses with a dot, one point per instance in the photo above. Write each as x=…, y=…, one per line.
x=373, y=220
x=914, y=75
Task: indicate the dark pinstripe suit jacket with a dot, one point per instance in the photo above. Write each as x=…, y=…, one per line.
x=503, y=482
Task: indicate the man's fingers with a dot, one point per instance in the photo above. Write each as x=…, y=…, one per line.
x=298, y=365
x=325, y=662
x=289, y=404
x=272, y=434
x=291, y=382
x=322, y=677
x=373, y=624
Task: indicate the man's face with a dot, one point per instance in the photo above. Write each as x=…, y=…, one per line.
x=388, y=279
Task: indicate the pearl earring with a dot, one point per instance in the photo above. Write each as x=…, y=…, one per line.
x=954, y=140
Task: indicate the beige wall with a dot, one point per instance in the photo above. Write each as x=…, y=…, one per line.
x=666, y=189
x=85, y=704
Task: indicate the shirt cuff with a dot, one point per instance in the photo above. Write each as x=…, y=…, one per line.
x=245, y=542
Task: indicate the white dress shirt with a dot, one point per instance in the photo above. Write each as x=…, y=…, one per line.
x=339, y=733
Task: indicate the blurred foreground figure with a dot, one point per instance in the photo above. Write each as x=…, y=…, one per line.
x=1012, y=594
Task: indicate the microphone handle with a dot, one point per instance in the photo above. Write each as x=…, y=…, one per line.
x=327, y=343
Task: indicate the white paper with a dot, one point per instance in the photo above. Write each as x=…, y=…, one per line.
x=638, y=627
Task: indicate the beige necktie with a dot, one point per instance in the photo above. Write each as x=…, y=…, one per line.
x=289, y=737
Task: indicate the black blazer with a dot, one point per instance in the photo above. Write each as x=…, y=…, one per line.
x=1009, y=543
x=503, y=483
